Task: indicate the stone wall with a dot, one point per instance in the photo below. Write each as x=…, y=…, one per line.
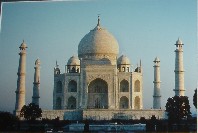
x=103, y=114
x=63, y=114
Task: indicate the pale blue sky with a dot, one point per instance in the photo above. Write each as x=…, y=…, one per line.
x=52, y=30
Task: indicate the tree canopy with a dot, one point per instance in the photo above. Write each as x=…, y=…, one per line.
x=177, y=108
x=31, y=112
x=7, y=120
x=195, y=98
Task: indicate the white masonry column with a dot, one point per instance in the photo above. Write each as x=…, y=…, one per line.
x=20, y=91
x=156, y=93
x=36, y=83
x=179, y=69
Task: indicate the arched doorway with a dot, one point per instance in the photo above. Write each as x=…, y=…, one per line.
x=124, y=86
x=137, y=102
x=98, y=94
x=58, y=103
x=124, y=102
x=71, y=102
x=137, y=86
x=59, y=87
x=72, y=86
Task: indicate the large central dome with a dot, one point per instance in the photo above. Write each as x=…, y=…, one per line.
x=98, y=43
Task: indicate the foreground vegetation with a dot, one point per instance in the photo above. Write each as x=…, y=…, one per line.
x=9, y=122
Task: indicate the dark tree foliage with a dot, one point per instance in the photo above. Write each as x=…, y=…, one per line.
x=151, y=124
x=195, y=98
x=31, y=112
x=7, y=121
x=142, y=120
x=177, y=108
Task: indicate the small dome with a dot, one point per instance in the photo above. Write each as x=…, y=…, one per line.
x=37, y=62
x=98, y=42
x=23, y=45
x=123, y=60
x=156, y=59
x=179, y=41
x=73, y=61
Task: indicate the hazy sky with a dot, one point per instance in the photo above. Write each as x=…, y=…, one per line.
x=52, y=31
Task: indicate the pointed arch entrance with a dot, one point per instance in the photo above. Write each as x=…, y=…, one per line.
x=71, y=102
x=72, y=86
x=137, y=86
x=58, y=103
x=124, y=86
x=137, y=102
x=98, y=94
x=124, y=102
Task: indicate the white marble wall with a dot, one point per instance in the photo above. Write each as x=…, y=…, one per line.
x=103, y=114
x=122, y=114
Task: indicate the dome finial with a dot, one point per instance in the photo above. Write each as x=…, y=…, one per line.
x=57, y=64
x=140, y=63
x=98, y=20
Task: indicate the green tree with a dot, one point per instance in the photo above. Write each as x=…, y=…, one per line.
x=177, y=108
x=31, y=112
x=195, y=98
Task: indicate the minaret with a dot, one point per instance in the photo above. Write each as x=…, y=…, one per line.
x=179, y=69
x=20, y=91
x=36, y=83
x=156, y=93
x=56, y=79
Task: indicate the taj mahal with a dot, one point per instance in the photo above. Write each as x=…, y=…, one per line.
x=98, y=84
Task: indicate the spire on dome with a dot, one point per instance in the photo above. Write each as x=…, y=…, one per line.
x=98, y=20
x=57, y=64
x=140, y=63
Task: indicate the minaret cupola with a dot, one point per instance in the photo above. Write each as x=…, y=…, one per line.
x=23, y=45
x=179, y=44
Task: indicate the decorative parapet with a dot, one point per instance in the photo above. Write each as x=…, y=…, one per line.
x=127, y=114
